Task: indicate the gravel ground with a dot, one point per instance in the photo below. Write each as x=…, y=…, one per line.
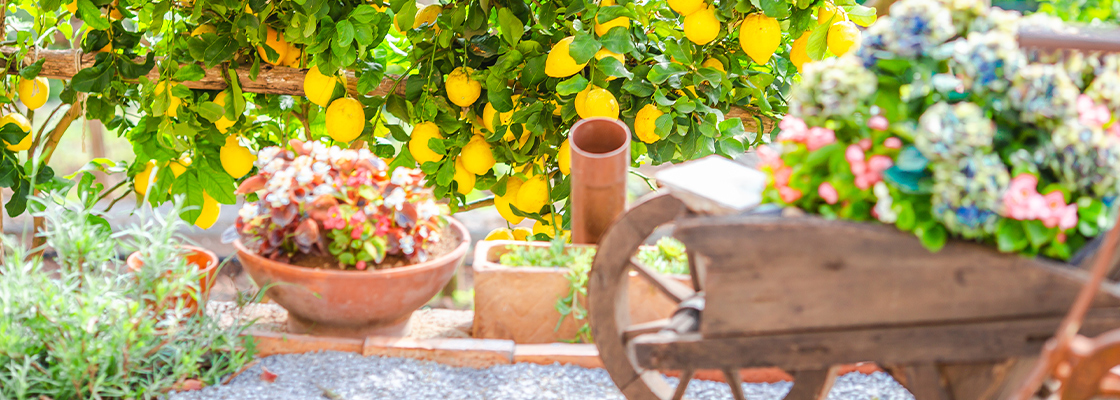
x=335, y=376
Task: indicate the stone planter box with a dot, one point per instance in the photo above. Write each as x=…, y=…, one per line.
x=519, y=303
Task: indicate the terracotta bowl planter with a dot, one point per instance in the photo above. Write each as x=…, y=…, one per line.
x=519, y=303
x=205, y=260
x=354, y=303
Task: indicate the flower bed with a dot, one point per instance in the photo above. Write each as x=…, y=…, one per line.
x=943, y=127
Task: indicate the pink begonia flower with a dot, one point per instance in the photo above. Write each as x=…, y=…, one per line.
x=768, y=157
x=892, y=143
x=1114, y=130
x=863, y=182
x=879, y=163
x=1017, y=199
x=1055, y=208
x=361, y=265
x=820, y=137
x=788, y=194
x=793, y=130
x=859, y=167
x=864, y=144
x=1069, y=217
x=1061, y=238
x=1090, y=113
x=828, y=193
x=878, y=123
x=781, y=177
x=854, y=154
x=356, y=233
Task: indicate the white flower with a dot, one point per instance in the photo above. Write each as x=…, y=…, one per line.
x=401, y=177
x=883, y=206
x=322, y=189
x=249, y=211
x=396, y=199
x=320, y=168
x=407, y=244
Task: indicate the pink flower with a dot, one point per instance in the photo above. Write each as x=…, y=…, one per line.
x=820, y=137
x=863, y=181
x=335, y=220
x=1091, y=114
x=788, y=194
x=361, y=265
x=1114, y=130
x=1055, y=204
x=1069, y=217
x=879, y=163
x=1017, y=200
x=878, y=123
x=892, y=143
x=859, y=168
x=793, y=130
x=854, y=154
x=356, y=233
x=768, y=158
x=358, y=218
x=828, y=193
x=864, y=144
x=781, y=177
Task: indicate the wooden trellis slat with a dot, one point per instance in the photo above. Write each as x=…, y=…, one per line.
x=62, y=64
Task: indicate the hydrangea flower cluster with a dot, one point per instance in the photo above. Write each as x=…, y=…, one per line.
x=833, y=87
x=951, y=132
x=1003, y=148
x=1043, y=95
x=912, y=29
x=321, y=200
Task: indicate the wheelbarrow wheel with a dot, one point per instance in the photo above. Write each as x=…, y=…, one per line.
x=607, y=297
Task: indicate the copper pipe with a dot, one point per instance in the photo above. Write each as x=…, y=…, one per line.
x=600, y=162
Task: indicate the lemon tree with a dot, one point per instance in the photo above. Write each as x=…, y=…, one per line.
x=479, y=94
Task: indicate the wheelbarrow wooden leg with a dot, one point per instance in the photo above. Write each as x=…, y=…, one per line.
x=812, y=384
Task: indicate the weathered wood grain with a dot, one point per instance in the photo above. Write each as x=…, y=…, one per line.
x=780, y=274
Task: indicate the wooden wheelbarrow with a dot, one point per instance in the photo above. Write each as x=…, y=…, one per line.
x=806, y=294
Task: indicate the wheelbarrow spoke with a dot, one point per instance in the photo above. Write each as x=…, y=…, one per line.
x=643, y=328
x=675, y=290
x=686, y=377
x=736, y=383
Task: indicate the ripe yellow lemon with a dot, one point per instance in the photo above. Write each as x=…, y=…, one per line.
x=210, y=210
x=292, y=58
x=489, y=112
x=843, y=37
x=560, y=63
x=760, y=36
x=546, y=227
x=204, y=29
x=223, y=123
x=277, y=43
x=72, y=7
x=603, y=28
x=714, y=63
x=502, y=203
x=319, y=88
x=422, y=134
x=236, y=160
x=115, y=14
x=564, y=158
x=178, y=167
x=140, y=181
x=34, y=92
x=581, y=99
x=173, y=103
x=600, y=103
x=799, y=53
x=686, y=7
x=702, y=27
x=427, y=15
x=645, y=123
x=345, y=119
x=522, y=233
x=465, y=179
x=477, y=156
x=826, y=12
x=23, y=124
x=500, y=234
x=533, y=194
x=461, y=89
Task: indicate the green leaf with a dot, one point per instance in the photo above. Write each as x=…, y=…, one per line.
x=1010, y=236
x=94, y=79
x=189, y=186
x=583, y=47
x=12, y=133
x=130, y=70
x=1038, y=233
x=933, y=236
x=406, y=15
x=190, y=72
x=397, y=106
x=775, y=8
x=662, y=72
x=612, y=67
x=861, y=15
x=512, y=28
x=90, y=14
x=31, y=71
x=818, y=43
x=572, y=85
x=618, y=41
x=344, y=32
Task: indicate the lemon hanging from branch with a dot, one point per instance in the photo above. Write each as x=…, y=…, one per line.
x=500, y=234
x=477, y=156
x=599, y=102
x=502, y=203
x=463, y=178
x=345, y=119
x=702, y=27
x=686, y=7
x=209, y=214
x=24, y=125
x=236, y=160
x=560, y=63
x=843, y=37
x=603, y=28
x=799, y=52
x=173, y=102
x=760, y=36
x=645, y=123
x=533, y=194
x=319, y=88
x=222, y=123
x=277, y=43
x=419, y=144
x=33, y=93
x=461, y=89
x=564, y=157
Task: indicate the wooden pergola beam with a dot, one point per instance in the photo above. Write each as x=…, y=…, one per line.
x=63, y=64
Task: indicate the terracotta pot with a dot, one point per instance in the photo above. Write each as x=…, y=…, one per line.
x=205, y=260
x=519, y=303
x=354, y=303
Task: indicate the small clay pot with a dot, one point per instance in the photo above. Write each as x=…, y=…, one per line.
x=205, y=260
x=358, y=304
